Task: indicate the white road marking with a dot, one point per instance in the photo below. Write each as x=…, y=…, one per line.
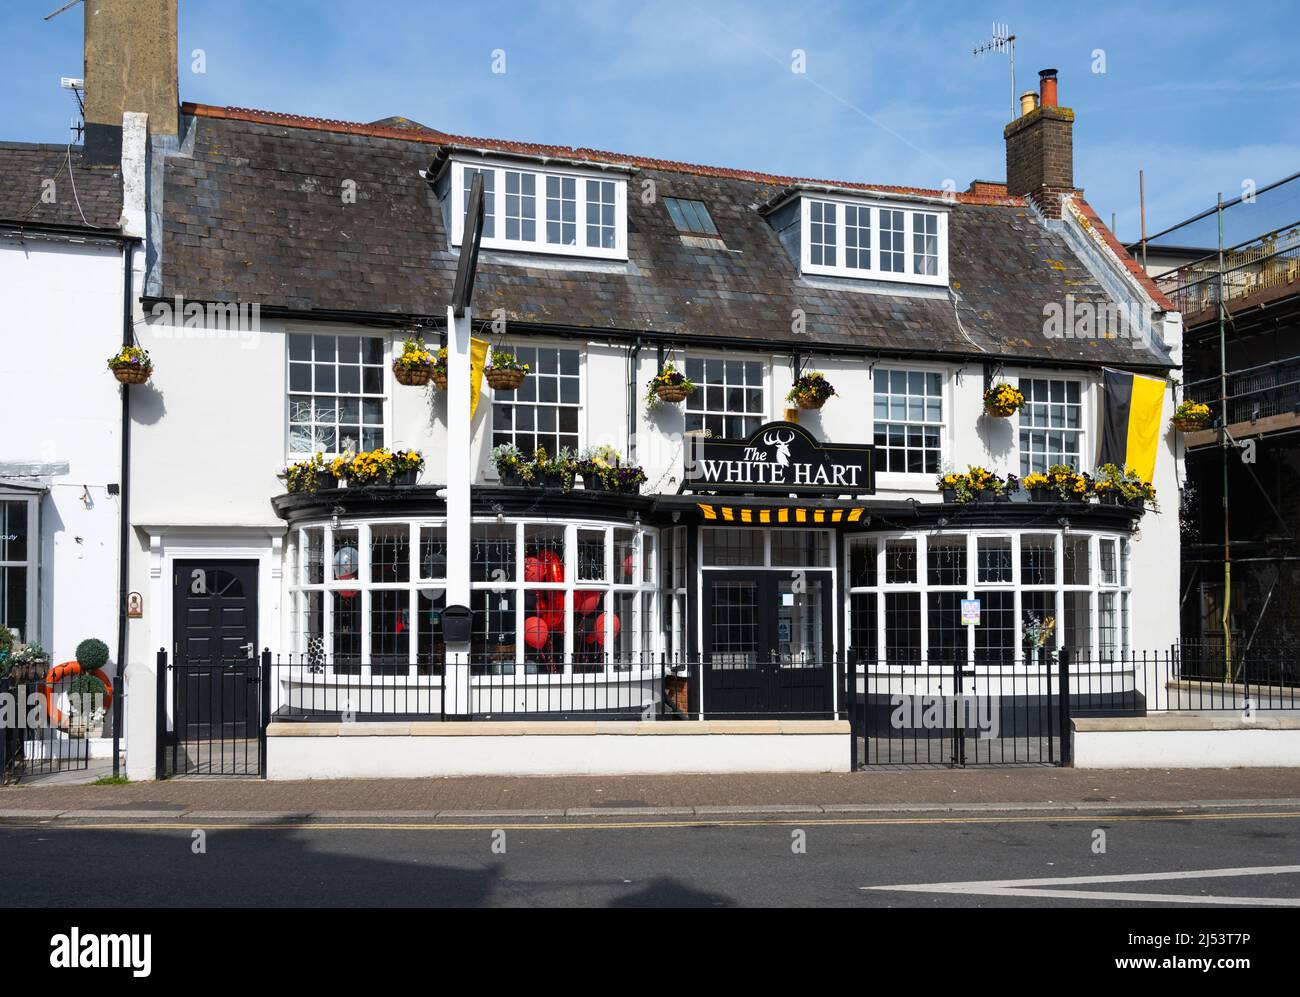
x=1036, y=887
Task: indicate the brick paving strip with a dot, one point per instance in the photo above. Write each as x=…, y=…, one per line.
x=920, y=790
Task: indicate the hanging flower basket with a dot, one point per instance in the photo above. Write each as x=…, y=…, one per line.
x=1191, y=417
x=504, y=380
x=415, y=366
x=131, y=365
x=810, y=390
x=440, y=381
x=1002, y=400
x=506, y=372
x=412, y=377
x=669, y=385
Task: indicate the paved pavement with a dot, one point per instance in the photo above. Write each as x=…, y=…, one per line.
x=1245, y=857
x=1042, y=787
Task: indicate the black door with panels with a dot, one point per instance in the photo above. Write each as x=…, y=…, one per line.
x=215, y=668
x=768, y=643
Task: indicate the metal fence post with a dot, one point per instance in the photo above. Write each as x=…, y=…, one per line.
x=1063, y=707
x=160, y=735
x=958, y=723
x=265, y=719
x=118, y=688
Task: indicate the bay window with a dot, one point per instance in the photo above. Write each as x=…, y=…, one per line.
x=1038, y=591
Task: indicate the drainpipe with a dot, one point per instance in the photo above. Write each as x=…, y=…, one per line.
x=124, y=514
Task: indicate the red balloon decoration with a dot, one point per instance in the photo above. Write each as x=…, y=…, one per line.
x=597, y=635
x=550, y=609
x=553, y=567
x=585, y=602
x=533, y=569
x=629, y=567
x=536, y=632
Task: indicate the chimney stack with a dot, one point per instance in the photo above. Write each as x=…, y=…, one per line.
x=130, y=56
x=1040, y=148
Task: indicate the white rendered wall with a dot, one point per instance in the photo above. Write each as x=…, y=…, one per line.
x=62, y=404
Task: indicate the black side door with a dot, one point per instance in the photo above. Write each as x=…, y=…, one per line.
x=215, y=673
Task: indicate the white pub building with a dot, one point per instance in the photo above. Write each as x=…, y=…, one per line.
x=775, y=541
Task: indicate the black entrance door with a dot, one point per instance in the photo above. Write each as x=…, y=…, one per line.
x=215, y=671
x=768, y=643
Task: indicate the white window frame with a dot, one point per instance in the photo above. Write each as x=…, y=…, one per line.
x=292, y=455
x=911, y=479
x=539, y=244
x=508, y=398
x=765, y=368
x=31, y=563
x=841, y=268
x=1085, y=414
x=1058, y=588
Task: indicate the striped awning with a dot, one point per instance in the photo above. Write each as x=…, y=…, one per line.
x=781, y=516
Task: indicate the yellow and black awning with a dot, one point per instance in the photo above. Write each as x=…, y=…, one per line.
x=791, y=515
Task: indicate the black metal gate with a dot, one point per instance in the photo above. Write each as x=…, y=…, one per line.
x=212, y=716
x=35, y=742
x=952, y=713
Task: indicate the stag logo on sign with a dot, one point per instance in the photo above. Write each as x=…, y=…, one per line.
x=780, y=457
x=774, y=439
x=102, y=951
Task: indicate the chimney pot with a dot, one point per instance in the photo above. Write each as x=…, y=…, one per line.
x=1047, y=87
x=1028, y=101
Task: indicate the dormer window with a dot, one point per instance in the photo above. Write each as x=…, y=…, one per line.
x=568, y=212
x=849, y=238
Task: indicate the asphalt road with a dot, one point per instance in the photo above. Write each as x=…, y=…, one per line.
x=690, y=862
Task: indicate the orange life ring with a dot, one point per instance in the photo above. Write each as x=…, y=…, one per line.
x=67, y=670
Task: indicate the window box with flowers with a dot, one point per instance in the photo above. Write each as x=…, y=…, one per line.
x=1002, y=400
x=1115, y=487
x=602, y=470
x=131, y=365
x=378, y=467
x=810, y=390
x=309, y=476
x=976, y=484
x=669, y=385
x=1060, y=484
x=414, y=367
x=506, y=371
x=1190, y=416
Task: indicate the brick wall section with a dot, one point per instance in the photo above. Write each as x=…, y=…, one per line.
x=1040, y=157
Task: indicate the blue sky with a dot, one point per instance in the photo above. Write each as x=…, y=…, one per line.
x=1199, y=98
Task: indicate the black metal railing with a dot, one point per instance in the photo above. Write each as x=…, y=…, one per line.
x=1187, y=678
x=1271, y=260
x=591, y=687
x=1253, y=393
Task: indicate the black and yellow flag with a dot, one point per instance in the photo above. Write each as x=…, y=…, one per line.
x=1131, y=410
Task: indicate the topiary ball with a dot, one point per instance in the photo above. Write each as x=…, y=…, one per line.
x=92, y=653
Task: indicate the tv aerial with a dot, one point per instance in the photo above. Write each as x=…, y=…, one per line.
x=1002, y=41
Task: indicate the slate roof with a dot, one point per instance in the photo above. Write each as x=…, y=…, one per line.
x=85, y=196
x=252, y=211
